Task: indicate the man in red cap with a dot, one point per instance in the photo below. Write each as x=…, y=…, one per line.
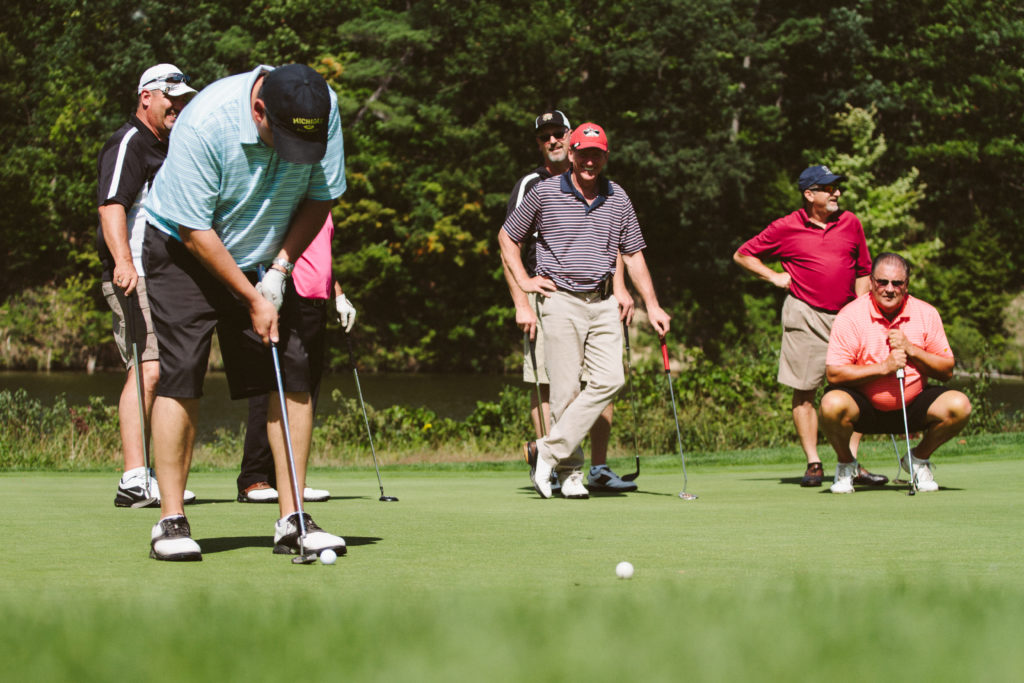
x=583, y=222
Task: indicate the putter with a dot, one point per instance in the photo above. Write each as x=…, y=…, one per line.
x=632, y=404
x=303, y=557
x=901, y=374
x=679, y=439
x=129, y=311
x=366, y=421
x=530, y=350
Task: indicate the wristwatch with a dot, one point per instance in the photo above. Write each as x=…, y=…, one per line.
x=282, y=263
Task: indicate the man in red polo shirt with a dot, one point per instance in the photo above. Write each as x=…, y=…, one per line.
x=874, y=336
x=826, y=264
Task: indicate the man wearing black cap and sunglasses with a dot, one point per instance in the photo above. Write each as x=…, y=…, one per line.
x=127, y=165
x=826, y=264
x=253, y=167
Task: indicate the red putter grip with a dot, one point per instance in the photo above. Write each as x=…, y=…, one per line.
x=664, y=353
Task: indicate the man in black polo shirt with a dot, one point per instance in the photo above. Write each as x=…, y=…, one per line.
x=583, y=223
x=127, y=164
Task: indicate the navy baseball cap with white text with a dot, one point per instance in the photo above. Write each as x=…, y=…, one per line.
x=298, y=105
x=818, y=175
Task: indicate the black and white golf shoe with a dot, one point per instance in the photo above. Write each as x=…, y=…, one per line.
x=288, y=530
x=171, y=539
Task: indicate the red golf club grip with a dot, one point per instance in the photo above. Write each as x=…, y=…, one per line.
x=664, y=353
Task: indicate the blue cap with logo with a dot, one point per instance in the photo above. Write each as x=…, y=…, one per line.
x=818, y=175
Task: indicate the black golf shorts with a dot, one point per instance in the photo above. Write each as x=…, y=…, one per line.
x=188, y=303
x=875, y=421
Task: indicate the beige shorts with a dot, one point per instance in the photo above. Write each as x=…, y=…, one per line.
x=529, y=374
x=150, y=352
x=804, y=344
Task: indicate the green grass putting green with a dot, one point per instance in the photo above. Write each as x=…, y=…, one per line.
x=472, y=574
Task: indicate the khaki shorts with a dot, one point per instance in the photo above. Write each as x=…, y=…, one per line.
x=150, y=352
x=804, y=344
x=541, y=375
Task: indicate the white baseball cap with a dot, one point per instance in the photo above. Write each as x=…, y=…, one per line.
x=168, y=78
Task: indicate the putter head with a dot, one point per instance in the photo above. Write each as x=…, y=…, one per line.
x=147, y=503
x=388, y=499
x=304, y=557
x=687, y=496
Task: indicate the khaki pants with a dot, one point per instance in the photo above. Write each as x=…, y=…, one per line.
x=582, y=334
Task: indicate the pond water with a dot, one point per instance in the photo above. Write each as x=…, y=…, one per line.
x=449, y=395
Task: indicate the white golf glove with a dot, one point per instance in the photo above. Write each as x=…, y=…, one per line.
x=272, y=287
x=346, y=311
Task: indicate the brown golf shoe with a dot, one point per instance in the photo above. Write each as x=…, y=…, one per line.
x=813, y=475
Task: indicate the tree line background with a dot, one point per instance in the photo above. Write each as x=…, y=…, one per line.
x=712, y=108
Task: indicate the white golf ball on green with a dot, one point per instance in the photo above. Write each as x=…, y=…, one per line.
x=624, y=570
x=329, y=556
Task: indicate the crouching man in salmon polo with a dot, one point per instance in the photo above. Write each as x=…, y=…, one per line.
x=874, y=337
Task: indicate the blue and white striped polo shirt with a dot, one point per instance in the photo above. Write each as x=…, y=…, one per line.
x=220, y=175
x=577, y=243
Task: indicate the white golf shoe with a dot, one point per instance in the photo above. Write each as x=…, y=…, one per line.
x=540, y=469
x=923, y=474
x=131, y=490
x=288, y=530
x=263, y=492
x=845, y=472
x=171, y=539
x=572, y=485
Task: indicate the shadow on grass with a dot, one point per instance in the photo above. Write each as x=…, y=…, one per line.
x=224, y=544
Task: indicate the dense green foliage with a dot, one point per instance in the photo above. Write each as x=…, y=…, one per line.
x=712, y=107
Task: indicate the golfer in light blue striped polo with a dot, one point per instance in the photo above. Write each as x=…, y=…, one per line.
x=583, y=221
x=249, y=179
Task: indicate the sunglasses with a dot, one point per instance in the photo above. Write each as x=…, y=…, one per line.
x=828, y=189
x=885, y=283
x=557, y=134
x=171, y=78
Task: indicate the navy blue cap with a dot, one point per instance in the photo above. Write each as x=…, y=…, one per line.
x=298, y=107
x=818, y=175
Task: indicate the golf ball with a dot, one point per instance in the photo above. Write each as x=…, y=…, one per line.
x=624, y=570
x=329, y=556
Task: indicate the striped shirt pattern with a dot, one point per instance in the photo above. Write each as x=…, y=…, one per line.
x=219, y=175
x=577, y=244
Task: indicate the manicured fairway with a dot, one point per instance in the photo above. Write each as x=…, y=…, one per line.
x=472, y=575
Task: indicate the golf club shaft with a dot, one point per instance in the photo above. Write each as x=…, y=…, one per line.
x=288, y=447
x=132, y=330
x=901, y=375
x=362, y=405
x=530, y=349
x=675, y=414
x=632, y=400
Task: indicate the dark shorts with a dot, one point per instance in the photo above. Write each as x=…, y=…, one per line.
x=188, y=303
x=875, y=421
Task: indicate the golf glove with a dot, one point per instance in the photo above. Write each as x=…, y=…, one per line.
x=346, y=312
x=272, y=287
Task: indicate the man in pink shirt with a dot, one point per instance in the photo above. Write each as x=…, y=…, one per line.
x=874, y=336
x=312, y=292
x=826, y=264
